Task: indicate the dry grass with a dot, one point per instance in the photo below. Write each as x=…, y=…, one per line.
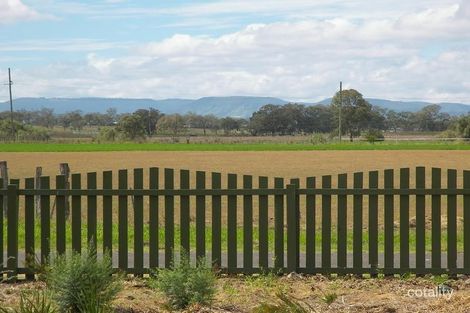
x=268, y=163
x=243, y=294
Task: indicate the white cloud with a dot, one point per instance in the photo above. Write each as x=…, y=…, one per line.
x=14, y=10
x=301, y=60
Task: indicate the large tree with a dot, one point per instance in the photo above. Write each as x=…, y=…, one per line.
x=173, y=123
x=149, y=119
x=131, y=127
x=356, y=112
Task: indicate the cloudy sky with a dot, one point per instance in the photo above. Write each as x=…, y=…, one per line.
x=298, y=49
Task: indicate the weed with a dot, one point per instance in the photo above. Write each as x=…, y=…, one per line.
x=184, y=285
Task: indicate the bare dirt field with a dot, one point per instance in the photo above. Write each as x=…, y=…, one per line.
x=286, y=164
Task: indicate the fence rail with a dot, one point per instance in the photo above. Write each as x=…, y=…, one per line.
x=309, y=226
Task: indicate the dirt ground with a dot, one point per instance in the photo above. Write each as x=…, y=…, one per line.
x=243, y=294
x=286, y=164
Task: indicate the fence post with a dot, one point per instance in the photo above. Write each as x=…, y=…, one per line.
x=4, y=175
x=12, y=231
x=292, y=222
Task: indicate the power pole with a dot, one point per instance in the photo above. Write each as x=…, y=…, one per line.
x=340, y=105
x=11, y=105
x=150, y=121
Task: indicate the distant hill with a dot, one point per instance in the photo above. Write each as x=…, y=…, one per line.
x=414, y=106
x=237, y=106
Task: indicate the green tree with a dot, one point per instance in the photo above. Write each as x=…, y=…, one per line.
x=149, y=119
x=356, y=112
x=174, y=124
x=462, y=126
x=131, y=127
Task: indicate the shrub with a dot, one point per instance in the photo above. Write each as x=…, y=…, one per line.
x=184, y=285
x=35, y=302
x=107, y=134
x=83, y=283
x=373, y=135
x=318, y=139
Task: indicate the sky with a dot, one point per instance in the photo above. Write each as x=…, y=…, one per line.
x=297, y=50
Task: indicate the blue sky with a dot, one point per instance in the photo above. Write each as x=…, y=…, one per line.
x=297, y=50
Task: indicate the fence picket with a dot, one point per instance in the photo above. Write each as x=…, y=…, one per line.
x=342, y=227
x=138, y=222
x=12, y=231
x=357, y=222
x=263, y=225
x=29, y=226
x=216, y=222
x=279, y=225
x=292, y=221
x=92, y=211
x=108, y=214
x=373, y=222
x=45, y=221
x=122, y=221
x=76, y=215
x=232, y=224
x=60, y=215
x=296, y=182
x=200, y=216
x=153, y=219
x=169, y=218
x=452, y=221
x=466, y=222
x=404, y=219
x=420, y=220
x=436, y=220
x=310, y=242
x=388, y=221
x=184, y=212
x=247, y=225
x=326, y=224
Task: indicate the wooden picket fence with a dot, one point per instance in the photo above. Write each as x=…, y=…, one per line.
x=291, y=209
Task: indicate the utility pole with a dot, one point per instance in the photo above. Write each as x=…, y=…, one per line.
x=150, y=121
x=11, y=105
x=340, y=105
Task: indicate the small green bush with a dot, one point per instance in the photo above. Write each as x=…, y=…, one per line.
x=318, y=139
x=83, y=283
x=184, y=285
x=373, y=135
x=34, y=302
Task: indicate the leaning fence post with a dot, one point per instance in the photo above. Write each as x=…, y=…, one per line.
x=12, y=231
x=292, y=222
x=64, y=170
x=4, y=175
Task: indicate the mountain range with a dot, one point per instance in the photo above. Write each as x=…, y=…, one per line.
x=235, y=106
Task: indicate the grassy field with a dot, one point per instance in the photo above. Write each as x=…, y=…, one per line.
x=88, y=147
x=224, y=233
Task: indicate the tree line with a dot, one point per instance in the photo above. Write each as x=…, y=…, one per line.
x=356, y=114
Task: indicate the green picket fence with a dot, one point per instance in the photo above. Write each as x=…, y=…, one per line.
x=289, y=219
